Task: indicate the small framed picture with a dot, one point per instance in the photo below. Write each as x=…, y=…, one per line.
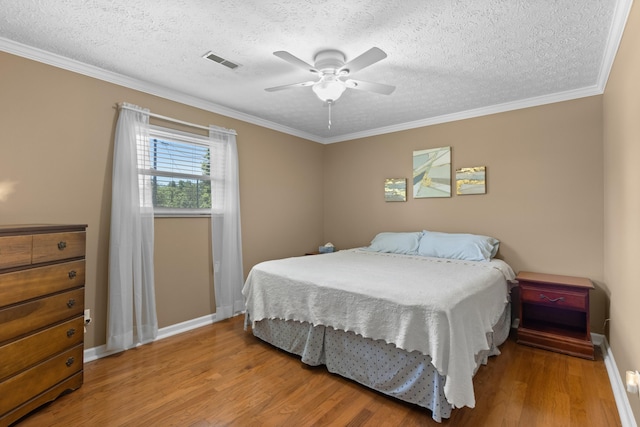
x=395, y=190
x=471, y=180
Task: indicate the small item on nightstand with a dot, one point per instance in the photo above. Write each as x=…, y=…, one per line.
x=327, y=248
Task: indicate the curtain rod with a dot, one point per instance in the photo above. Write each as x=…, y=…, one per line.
x=171, y=119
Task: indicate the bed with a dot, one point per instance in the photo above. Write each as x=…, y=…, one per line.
x=391, y=316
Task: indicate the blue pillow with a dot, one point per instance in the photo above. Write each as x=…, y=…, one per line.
x=470, y=247
x=397, y=243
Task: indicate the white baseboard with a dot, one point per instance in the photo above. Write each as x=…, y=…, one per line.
x=179, y=328
x=619, y=390
x=597, y=339
x=95, y=353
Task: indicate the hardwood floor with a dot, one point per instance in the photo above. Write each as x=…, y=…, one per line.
x=221, y=375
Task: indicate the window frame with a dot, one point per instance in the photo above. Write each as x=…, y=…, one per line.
x=160, y=132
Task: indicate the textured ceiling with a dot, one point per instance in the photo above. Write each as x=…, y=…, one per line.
x=446, y=58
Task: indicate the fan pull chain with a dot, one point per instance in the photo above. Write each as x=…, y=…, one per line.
x=329, y=114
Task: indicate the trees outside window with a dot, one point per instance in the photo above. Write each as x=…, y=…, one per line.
x=180, y=166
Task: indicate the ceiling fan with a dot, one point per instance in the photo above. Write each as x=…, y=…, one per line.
x=334, y=73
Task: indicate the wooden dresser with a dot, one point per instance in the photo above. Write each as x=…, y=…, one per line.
x=42, y=275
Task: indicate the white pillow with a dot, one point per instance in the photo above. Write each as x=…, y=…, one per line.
x=397, y=243
x=470, y=247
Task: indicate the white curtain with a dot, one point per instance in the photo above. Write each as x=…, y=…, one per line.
x=132, y=309
x=226, y=237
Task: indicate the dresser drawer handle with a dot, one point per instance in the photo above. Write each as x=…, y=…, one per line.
x=62, y=245
x=69, y=361
x=71, y=332
x=72, y=274
x=71, y=302
x=543, y=296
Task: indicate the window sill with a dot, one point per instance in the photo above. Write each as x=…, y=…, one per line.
x=181, y=215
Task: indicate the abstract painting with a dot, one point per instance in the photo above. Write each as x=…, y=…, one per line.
x=432, y=173
x=471, y=180
x=395, y=190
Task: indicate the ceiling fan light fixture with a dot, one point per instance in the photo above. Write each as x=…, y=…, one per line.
x=330, y=65
x=329, y=88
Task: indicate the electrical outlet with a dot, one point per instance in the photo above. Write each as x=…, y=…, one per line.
x=633, y=380
x=87, y=316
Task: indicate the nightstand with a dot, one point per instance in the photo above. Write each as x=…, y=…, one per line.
x=554, y=313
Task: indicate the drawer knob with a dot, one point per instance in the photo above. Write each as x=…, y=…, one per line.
x=71, y=332
x=72, y=274
x=543, y=296
x=62, y=245
x=71, y=302
x=69, y=361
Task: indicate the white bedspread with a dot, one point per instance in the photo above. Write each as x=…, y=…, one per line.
x=439, y=307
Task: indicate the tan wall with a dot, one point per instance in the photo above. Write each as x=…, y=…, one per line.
x=622, y=201
x=183, y=269
x=544, y=196
x=56, y=148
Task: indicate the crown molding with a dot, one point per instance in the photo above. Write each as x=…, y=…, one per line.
x=469, y=114
x=72, y=65
x=620, y=17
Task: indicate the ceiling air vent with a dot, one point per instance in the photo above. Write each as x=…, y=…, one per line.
x=215, y=58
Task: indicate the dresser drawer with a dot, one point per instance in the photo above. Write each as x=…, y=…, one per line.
x=22, y=387
x=27, y=351
x=24, y=318
x=57, y=246
x=27, y=284
x=15, y=251
x=553, y=297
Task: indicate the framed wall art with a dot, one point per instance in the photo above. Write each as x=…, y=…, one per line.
x=432, y=173
x=471, y=180
x=395, y=190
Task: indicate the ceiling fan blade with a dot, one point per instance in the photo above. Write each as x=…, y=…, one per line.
x=291, y=86
x=295, y=60
x=370, y=57
x=370, y=87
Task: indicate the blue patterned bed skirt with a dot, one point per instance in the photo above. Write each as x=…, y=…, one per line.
x=408, y=376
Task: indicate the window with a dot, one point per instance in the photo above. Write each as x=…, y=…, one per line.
x=179, y=165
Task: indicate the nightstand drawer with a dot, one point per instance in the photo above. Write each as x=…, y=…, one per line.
x=554, y=297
